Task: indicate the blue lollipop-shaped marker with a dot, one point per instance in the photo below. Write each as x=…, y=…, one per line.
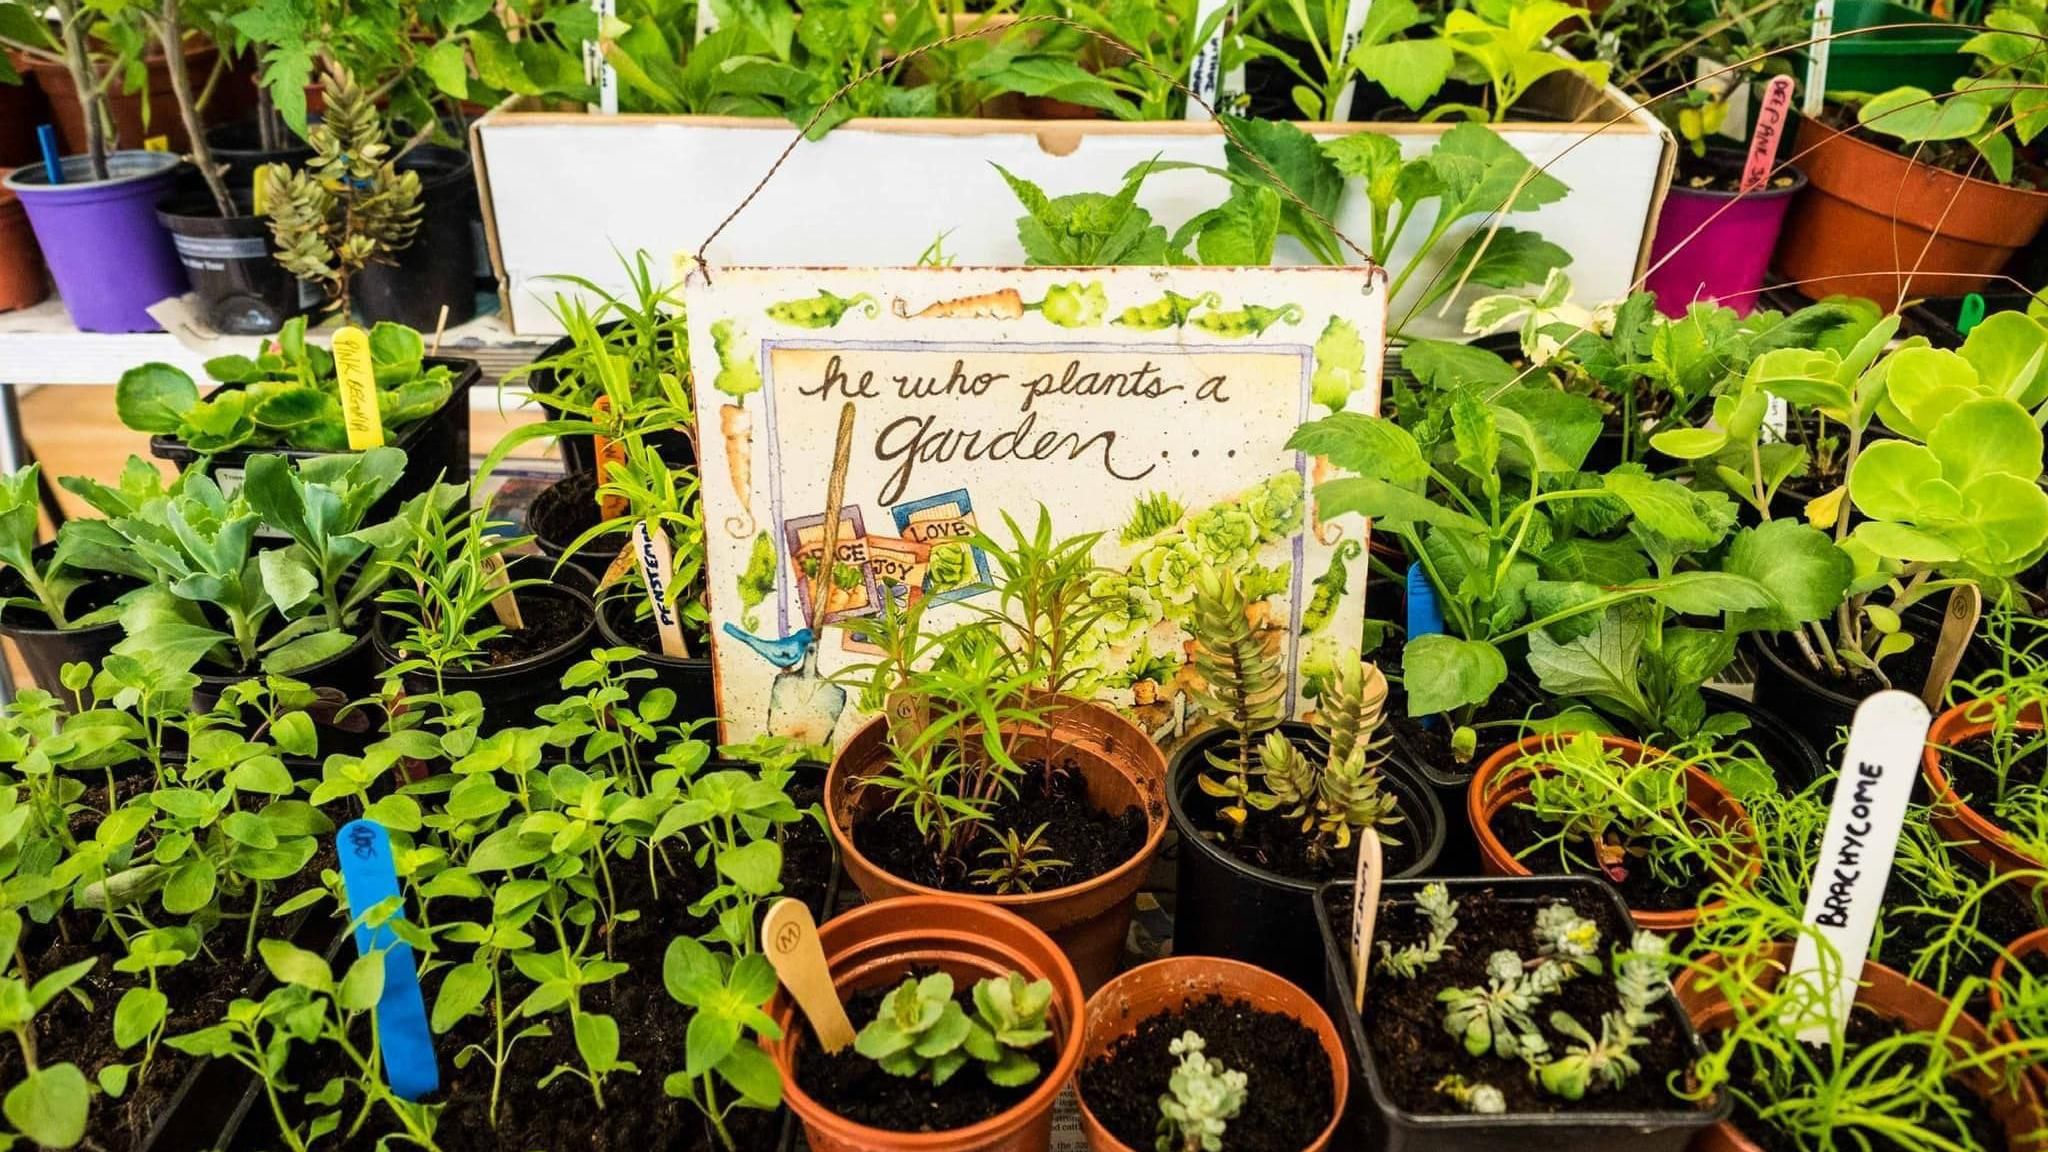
x=368, y=878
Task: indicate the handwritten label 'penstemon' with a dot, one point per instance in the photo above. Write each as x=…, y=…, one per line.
x=1878, y=769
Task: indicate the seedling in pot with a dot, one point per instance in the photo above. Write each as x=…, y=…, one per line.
x=1345, y=793
x=1200, y=1100
x=1243, y=687
x=442, y=582
x=51, y=583
x=1410, y=960
x=922, y=1031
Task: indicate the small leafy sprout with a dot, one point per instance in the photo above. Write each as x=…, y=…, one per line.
x=1344, y=792
x=1567, y=945
x=1200, y=1098
x=1478, y=1099
x=1411, y=960
x=50, y=1103
x=1495, y=1018
x=922, y=1031
x=1607, y=1061
x=1019, y=862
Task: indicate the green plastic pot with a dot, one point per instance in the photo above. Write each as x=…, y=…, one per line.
x=1922, y=57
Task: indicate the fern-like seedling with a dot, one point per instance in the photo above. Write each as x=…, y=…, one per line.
x=1411, y=960
x=1242, y=685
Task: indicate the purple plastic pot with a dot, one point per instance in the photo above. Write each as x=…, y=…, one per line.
x=110, y=256
x=1726, y=262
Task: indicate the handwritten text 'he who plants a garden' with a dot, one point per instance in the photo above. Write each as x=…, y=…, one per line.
x=922, y=438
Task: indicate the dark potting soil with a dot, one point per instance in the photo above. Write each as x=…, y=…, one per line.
x=1914, y=922
x=857, y=1088
x=1519, y=830
x=1907, y=670
x=1274, y=841
x=66, y=1031
x=1969, y=769
x=1980, y=1130
x=1719, y=171
x=94, y=594
x=1288, y=1099
x=639, y=629
x=638, y=1116
x=1412, y=1051
x=1091, y=841
x=552, y=616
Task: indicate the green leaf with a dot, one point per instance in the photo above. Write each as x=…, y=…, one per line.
x=1707, y=593
x=190, y=887
x=462, y=992
x=1387, y=504
x=1893, y=479
x=1442, y=673
x=597, y=1040
x=141, y=1009
x=2009, y=350
x=1984, y=436
x=1806, y=574
x=363, y=985
x=49, y=1106
x=1367, y=445
x=447, y=65
x=753, y=1074
x=1412, y=71
x=1915, y=114
x=1447, y=364
x=154, y=398
x=296, y=966
x=2011, y=516
x=755, y=866
x=1904, y=542
x=1241, y=232
x=1665, y=507
x=1602, y=665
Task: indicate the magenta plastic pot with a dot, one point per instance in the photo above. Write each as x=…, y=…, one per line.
x=1725, y=263
x=106, y=249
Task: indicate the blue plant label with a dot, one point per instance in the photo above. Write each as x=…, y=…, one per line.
x=1424, y=617
x=53, y=164
x=1879, y=766
x=368, y=878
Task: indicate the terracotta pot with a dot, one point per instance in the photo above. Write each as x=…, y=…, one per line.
x=21, y=262
x=2034, y=943
x=1870, y=215
x=877, y=945
x=126, y=107
x=1123, y=769
x=1500, y=782
x=1980, y=838
x=1118, y=1007
x=21, y=109
x=1893, y=997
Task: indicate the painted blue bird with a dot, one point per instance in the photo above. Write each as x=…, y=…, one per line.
x=787, y=652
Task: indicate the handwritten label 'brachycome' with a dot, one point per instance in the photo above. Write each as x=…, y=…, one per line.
x=355, y=373
x=1878, y=769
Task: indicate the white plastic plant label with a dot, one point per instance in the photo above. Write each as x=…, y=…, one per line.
x=1205, y=78
x=1879, y=766
x=1817, y=58
x=595, y=70
x=1354, y=27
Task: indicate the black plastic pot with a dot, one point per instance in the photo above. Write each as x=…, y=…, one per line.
x=45, y=649
x=1787, y=688
x=688, y=677
x=510, y=691
x=1460, y=854
x=1378, y=1123
x=561, y=512
x=439, y=266
x=1227, y=907
x=343, y=678
x=436, y=448
x=579, y=453
x=1793, y=759
x=231, y=262
x=239, y=146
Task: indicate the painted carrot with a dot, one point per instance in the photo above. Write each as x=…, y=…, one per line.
x=1007, y=304
x=738, y=377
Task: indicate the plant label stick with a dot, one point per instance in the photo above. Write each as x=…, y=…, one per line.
x=505, y=605
x=610, y=454
x=1424, y=617
x=1770, y=129
x=791, y=939
x=650, y=548
x=1958, y=624
x=1365, y=911
x=1205, y=76
x=1878, y=769
x=1354, y=27
x=368, y=879
x=1817, y=58
x=356, y=376
x=53, y=163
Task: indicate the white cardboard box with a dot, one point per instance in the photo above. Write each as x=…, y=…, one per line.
x=564, y=191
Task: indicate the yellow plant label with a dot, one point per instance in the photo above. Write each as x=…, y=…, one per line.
x=259, y=190
x=358, y=381
x=157, y=144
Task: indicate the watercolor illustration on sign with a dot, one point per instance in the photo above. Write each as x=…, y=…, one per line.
x=1150, y=405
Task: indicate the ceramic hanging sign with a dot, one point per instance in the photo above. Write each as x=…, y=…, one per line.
x=1152, y=405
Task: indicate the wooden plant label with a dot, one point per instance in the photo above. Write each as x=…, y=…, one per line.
x=610, y=454
x=793, y=949
x=651, y=550
x=356, y=375
x=1151, y=405
x=506, y=604
x=1878, y=769
x=1770, y=128
x=1958, y=624
x=1365, y=911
